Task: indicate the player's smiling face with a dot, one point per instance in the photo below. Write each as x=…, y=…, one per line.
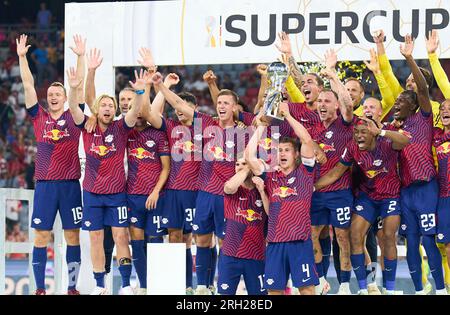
x=286, y=155
x=56, y=97
x=327, y=105
x=362, y=136
x=355, y=92
x=106, y=111
x=125, y=98
x=403, y=107
x=444, y=112
x=310, y=88
x=226, y=106
x=372, y=109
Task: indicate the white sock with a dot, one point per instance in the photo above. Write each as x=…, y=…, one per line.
x=345, y=285
x=363, y=291
x=390, y=292
x=201, y=286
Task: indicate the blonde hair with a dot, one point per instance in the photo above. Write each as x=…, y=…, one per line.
x=59, y=84
x=96, y=105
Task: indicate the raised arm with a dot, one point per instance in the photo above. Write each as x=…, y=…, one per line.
x=74, y=84
x=139, y=99
x=174, y=100
x=25, y=73
x=256, y=165
x=94, y=60
x=262, y=70
x=387, y=101
x=80, y=50
x=423, y=95
x=232, y=185
x=333, y=175
x=385, y=65
x=345, y=102
x=432, y=44
x=399, y=141
x=210, y=78
x=307, y=148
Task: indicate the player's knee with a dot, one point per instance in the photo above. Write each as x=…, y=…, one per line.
x=121, y=237
x=187, y=238
x=203, y=240
x=175, y=236
x=96, y=238
x=356, y=239
x=72, y=237
x=41, y=238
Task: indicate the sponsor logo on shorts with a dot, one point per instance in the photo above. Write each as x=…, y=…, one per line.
x=76, y=222
x=359, y=208
x=133, y=219
x=305, y=280
x=37, y=221
x=122, y=221
x=270, y=281
x=87, y=223
x=165, y=220
x=403, y=227
x=440, y=236
x=195, y=227
x=224, y=286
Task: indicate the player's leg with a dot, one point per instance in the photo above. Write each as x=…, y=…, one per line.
x=254, y=276
x=173, y=215
x=71, y=216
x=219, y=232
x=42, y=220
x=389, y=241
x=371, y=268
x=276, y=270
x=108, y=248
x=320, y=218
x=187, y=238
x=138, y=220
x=379, y=234
x=94, y=221
x=358, y=231
x=325, y=245
x=117, y=217
x=302, y=267
x=336, y=258
x=443, y=236
x=340, y=204
x=231, y=269
x=426, y=215
x=203, y=227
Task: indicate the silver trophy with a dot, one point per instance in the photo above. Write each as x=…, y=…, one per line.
x=277, y=74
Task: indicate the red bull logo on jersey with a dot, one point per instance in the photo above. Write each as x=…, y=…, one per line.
x=141, y=153
x=406, y=133
x=327, y=148
x=102, y=150
x=187, y=146
x=219, y=154
x=373, y=173
x=266, y=143
x=249, y=214
x=56, y=134
x=285, y=192
x=443, y=148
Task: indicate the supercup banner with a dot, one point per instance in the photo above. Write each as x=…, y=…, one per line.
x=236, y=31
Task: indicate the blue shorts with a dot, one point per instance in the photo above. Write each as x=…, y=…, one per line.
x=333, y=208
x=104, y=210
x=419, y=204
x=57, y=195
x=371, y=209
x=294, y=258
x=209, y=215
x=179, y=209
x=443, y=220
x=231, y=269
x=147, y=220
